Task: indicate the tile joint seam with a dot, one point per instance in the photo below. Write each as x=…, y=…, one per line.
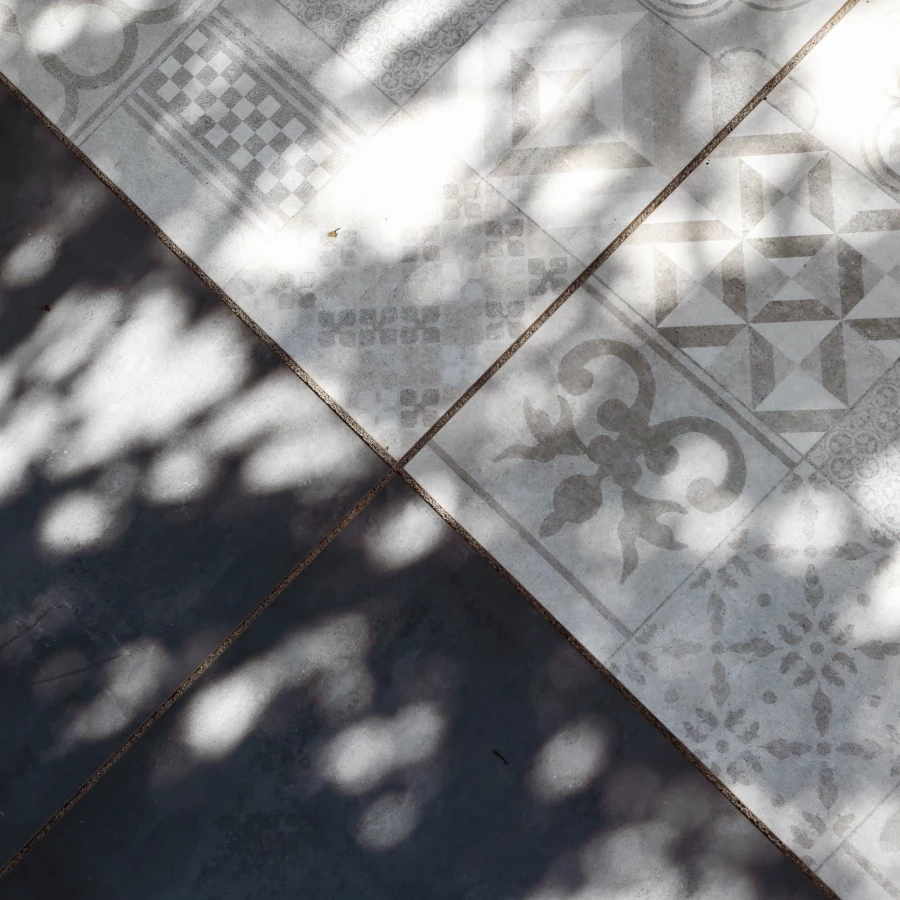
x=207, y=281
x=615, y=683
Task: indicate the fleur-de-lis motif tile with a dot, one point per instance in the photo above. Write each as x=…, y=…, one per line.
x=593, y=463
x=775, y=662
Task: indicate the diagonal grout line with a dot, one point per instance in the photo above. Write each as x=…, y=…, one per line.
x=887, y=886
x=629, y=229
x=267, y=339
x=624, y=691
x=188, y=683
x=532, y=542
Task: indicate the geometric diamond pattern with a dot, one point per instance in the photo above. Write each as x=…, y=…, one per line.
x=778, y=271
x=240, y=116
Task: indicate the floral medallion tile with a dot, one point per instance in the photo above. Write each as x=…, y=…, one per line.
x=232, y=128
x=861, y=453
x=602, y=462
x=776, y=661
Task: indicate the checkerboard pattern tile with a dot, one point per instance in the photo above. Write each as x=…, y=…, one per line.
x=229, y=105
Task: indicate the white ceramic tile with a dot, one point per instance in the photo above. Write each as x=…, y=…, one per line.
x=603, y=462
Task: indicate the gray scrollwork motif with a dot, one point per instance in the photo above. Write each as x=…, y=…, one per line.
x=579, y=497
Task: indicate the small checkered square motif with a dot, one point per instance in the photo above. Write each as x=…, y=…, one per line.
x=246, y=122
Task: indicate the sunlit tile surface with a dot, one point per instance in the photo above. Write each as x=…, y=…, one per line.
x=401, y=724
x=250, y=132
x=768, y=281
x=581, y=112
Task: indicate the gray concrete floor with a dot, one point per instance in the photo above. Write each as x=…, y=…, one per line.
x=399, y=722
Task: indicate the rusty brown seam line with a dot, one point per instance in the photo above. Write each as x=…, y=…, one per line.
x=622, y=690
x=186, y=685
x=264, y=336
x=629, y=229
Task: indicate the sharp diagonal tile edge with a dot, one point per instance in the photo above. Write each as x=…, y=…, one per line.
x=634, y=225
x=198, y=673
x=202, y=274
x=660, y=200
x=797, y=721
x=222, y=132
x=581, y=113
x=770, y=664
x=526, y=773
x=431, y=273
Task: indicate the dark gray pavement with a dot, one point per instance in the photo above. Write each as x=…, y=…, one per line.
x=399, y=723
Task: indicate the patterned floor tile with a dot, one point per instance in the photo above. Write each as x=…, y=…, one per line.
x=853, y=82
x=227, y=134
x=397, y=44
x=597, y=471
x=861, y=453
x=776, y=663
x=405, y=278
x=776, y=267
x=581, y=111
x=71, y=58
